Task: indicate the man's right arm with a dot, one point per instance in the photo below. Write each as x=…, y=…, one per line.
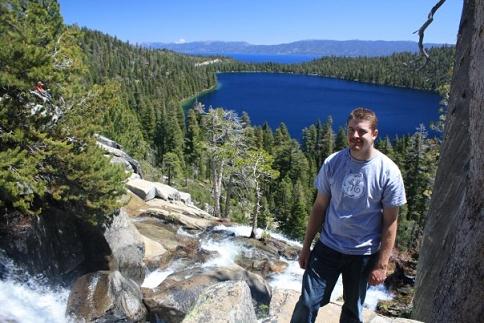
x=316, y=218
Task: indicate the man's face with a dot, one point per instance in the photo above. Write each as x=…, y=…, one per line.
x=361, y=136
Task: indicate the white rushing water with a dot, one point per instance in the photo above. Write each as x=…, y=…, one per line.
x=27, y=299
x=291, y=278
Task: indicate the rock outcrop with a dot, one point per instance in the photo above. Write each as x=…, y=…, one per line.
x=106, y=296
x=176, y=296
x=127, y=247
x=118, y=156
x=236, y=306
x=147, y=191
x=56, y=244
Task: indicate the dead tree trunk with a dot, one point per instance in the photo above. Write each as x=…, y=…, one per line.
x=449, y=284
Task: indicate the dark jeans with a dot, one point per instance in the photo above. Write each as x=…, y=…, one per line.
x=324, y=267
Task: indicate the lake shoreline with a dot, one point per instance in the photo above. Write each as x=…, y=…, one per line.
x=334, y=78
x=276, y=97
x=187, y=102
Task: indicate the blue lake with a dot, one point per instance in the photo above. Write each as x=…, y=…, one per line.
x=300, y=100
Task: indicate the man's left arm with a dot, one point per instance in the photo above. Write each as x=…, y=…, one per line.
x=388, y=236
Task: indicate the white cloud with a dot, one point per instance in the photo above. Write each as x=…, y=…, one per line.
x=180, y=41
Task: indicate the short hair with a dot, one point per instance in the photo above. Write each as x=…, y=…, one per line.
x=364, y=114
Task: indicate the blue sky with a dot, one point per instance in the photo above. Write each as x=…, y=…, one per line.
x=264, y=21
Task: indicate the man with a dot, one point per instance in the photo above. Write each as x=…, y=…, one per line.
x=359, y=193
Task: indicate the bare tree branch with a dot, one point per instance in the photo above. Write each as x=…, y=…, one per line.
x=421, y=31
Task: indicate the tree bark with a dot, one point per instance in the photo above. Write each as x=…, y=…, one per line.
x=228, y=195
x=217, y=174
x=256, y=210
x=449, y=284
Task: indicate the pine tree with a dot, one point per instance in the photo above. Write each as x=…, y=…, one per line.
x=256, y=168
x=386, y=147
x=420, y=167
x=340, y=141
x=327, y=140
x=193, y=144
x=268, y=138
x=171, y=167
x=296, y=223
x=43, y=158
x=283, y=200
x=223, y=141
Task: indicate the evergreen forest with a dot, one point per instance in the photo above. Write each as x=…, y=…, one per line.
x=97, y=84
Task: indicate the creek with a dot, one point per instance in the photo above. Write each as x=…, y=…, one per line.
x=24, y=298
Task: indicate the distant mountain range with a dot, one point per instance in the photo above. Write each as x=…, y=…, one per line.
x=303, y=47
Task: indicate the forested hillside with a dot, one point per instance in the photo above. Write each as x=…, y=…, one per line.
x=95, y=83
x=150, y=84
x=402, y=69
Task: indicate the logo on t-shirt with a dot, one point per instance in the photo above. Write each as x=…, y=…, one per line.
x=353, y=185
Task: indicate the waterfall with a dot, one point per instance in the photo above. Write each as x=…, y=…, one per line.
x=24, y=298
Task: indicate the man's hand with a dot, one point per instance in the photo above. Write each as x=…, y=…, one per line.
x=304, y=258
x=377, y=276
x=388, y=234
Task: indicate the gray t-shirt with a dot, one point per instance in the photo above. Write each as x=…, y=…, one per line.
x=358, y=191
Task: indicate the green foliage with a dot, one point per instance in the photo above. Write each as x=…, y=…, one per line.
x=296, y=223
x=46, y=151
x=29, y=32
x=198, y=190
x=318, y=142
x=17, y=183
x=341, y=139
x=171, y=167
x=193, y=145
x=255, y=169
x=169, y=134
x=153, y=81
x=283, y=200
x=83, y=177
x=417, y=157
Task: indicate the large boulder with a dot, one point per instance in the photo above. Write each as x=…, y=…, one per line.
x=174, y=298
x=263, y=267
x=155, y=253
x=127, y=246
x=158, y=231
x=186, y=198
x=106, y=296
x=236, y=306
x=144, y=189
x=166, y=192
x=166, y=242
x=272, y=247
x=179, y=214
x=118, y=156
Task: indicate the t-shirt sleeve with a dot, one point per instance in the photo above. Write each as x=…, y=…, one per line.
x=394, y=193
x=322, y=180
